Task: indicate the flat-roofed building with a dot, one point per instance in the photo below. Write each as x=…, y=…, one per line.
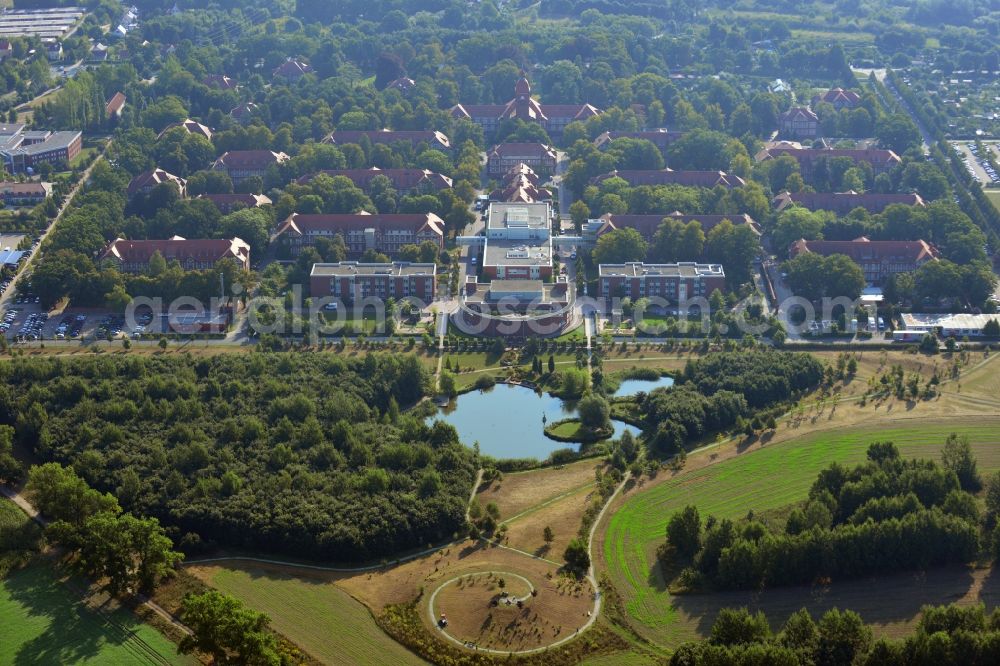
x=351, y=281
x=674, y=283
x=514, y=307
x=48, y=24
x=22, y=149
x=518, y=241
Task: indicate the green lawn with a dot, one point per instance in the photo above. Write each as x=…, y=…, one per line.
x=19, y=537
x=766, y=479
x=42, y=621
x=994, y=196
x=319, y=617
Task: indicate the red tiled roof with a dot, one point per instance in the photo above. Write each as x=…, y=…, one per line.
x=115, y=104
x=148, y=179
x=671, y=177
x=863, y=249
x=526, y=149
x=647, y=225
x=230, y=200
x=192, y=127
x=799, y=113
x=844, y=202
x=660, y=137
x=838, y=95
x=292, y=69
x=249, y=159
x=806, y=156
x=389, y=136
x=181, y=249
x=402, y=179
x=301, y=224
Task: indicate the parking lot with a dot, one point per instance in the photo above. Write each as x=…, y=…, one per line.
x=28, y=322
x=978, y=165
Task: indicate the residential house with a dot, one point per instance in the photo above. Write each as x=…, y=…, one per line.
x=54, y=50
x=839, y=98
x=133, y=256
x=505, y=156
x=404, y=181
x=147, y=180
x=227, y=203
x=115, y=106
x=385, y=233
x=433, y=139
x=674, y=283
x=552, y=117
x=99, y=52
x=291, y=70
x=242, y=164
x=843, y=203
x=219, y=82
x=191, y=127
x=403, y=84
x=878, y=259
x=351, y=281
x=799, y=122
x=244, y=113
x=709, y=179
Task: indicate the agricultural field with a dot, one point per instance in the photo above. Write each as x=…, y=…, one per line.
x=318, y=616
x=42, y=621
x=771, y=477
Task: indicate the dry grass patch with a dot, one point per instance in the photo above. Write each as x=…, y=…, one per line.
x=517, y=492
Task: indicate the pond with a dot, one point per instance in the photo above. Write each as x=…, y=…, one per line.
x=507, y=420
x=633, y=386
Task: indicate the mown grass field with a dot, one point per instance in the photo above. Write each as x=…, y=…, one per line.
x=316, y=615
x=766, y=479
x=42, y=621
x=994, y=196
x=18, y=537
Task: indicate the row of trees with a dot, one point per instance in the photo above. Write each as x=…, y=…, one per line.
x=885, y=515
x=950, y=635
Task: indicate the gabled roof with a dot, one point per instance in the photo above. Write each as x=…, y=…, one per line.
x=152, y=178
x=647, y=224
x=402, y=179
x=298, y=224
x=522, y=149
x=838, y=96
x=115, y=104
x=389, y=136
x=844, y=202
x=403, y=83
x=864, y=249
x=219, y=81
x=708, y=179
x=177, y=248
x=292, y=69
x=191, y=126
x=800, y=113
x=660, y=137
x=244, y=109
x=874, y=156
x=229, y=200
x=249, y=159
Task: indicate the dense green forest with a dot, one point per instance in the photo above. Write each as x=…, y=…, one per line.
x=307, y=455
